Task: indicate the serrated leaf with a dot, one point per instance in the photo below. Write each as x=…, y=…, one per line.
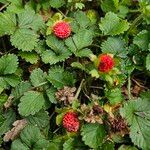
x=24, y=39
x=82, y=19
x=142, y=40
x=137, y=115
x=31, y=103
x=20, y=89
x=31, y=136
x=31, y=57
x=111, y=24
x=8, y=64
x=93, y=134
x=114, y=96
x=69, y=144
x=18, y=145
x=60, y=78
x=41, y=119
x=56, y=3
x=114, y=45
x=7, y=23
x=77, y=42
x=148, y=62
x=27, y=19
x=37, y=77
x=10, y=117
x=84, y=53
x=127, y=147
x=51, y=95
x=58, y=52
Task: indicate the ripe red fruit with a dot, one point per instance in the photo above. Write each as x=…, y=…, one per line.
x=106, y=63
x=71, y=122
x=62, y=29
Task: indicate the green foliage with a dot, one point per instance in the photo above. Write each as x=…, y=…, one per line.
x=111, y=24
x=59, y=78
x=57, y=3
x=93, y=134
x=30, y=137
x=148, y=62
x=31, y=103
x=136, y=112
x=114, y=45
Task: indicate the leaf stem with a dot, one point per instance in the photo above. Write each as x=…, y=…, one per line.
x=79, y=89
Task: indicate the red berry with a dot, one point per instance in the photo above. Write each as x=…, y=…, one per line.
x=106, y=63
x=71, y=122
x=62, y=29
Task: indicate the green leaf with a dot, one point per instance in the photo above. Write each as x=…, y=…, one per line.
x=10, y=117
x=20, y=89
x=24, y=39
x=7, y=23
x=41, y=119
x=37, y=77
x=58, y=52
x=84, y=53
x=114, y=96
x=56, y=3
x=82, y=19
x=114, y=45
x=93, y=134
x=8, y=64
x=127, y=147
x=31, y=57
x=111, y=24
x=142, y=40
x=27, y=19
x=60, y=78
x=32, y=137
x=31, y=103
x=69, y=144
x=77, y=42
x=148, y=62
x=51, y=95
x=18, y=145
x=137, y=115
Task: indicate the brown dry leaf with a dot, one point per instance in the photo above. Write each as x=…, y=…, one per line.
x=8, y=103
x=66, y=95
x=15, y=131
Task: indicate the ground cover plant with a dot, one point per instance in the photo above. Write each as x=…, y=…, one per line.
x=74, y=74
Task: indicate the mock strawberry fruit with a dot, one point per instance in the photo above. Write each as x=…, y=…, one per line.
x=71, y=122
x=62, y=29
x=106, y=63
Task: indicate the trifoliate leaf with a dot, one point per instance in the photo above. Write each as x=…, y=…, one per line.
x=37, y=77
x=41, y=119
x=20, y=89
x=60, y=78
x=7, y=23
x=58, y=52
x=115, y=46
x=93, y=134
x=24, y=39
x=148, y=62
x=142, y=40
x=56, y=3
x=77, y=42
x=8, y=64
x=31, y=57
x=31, y=103
x=111, y=24
x=137, y=115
